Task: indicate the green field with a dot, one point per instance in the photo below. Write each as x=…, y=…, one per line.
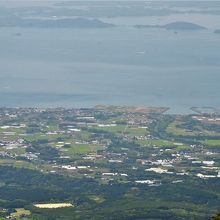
x=174, y=130
x=40, y=136
x=81, y=149
x=157, y=143
x=17, y=151
x=17, y=163
x=211, y=143
x=126, y=130
x=114, y=129
x=162, y=144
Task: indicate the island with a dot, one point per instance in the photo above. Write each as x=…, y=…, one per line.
x=180, y=25
x=54, y=23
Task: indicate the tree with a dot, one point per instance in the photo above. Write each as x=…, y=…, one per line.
x=216, y=217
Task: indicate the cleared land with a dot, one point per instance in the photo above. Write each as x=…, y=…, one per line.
x=20, y=212
x=53, y=205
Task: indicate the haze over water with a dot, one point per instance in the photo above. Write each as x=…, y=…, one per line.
x=123, y=65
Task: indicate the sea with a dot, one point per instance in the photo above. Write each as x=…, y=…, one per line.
x=123, y=65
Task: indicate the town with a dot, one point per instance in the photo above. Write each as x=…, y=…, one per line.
x=122, y=146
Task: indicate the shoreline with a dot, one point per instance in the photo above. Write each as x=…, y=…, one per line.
x=127, y=109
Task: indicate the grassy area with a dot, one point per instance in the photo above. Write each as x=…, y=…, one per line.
x=163, y=144
x=13, y=137
x=16, y=130
x=182, y=147
x=52, y=127
x=157, y=143
x=211, y=143
x=17, y=151
x=174, y=130
x=136, y=131
x=40, y=136
x=17, y=163
x=11, y=134
x=119, y=129
x=81, y=149
x=83, y=135
x=124, y=129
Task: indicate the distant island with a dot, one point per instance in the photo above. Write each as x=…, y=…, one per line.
x=179, y=25
x=217, y=31
x=55, y=23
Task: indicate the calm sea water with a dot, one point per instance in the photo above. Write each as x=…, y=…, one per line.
x=123, y=66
